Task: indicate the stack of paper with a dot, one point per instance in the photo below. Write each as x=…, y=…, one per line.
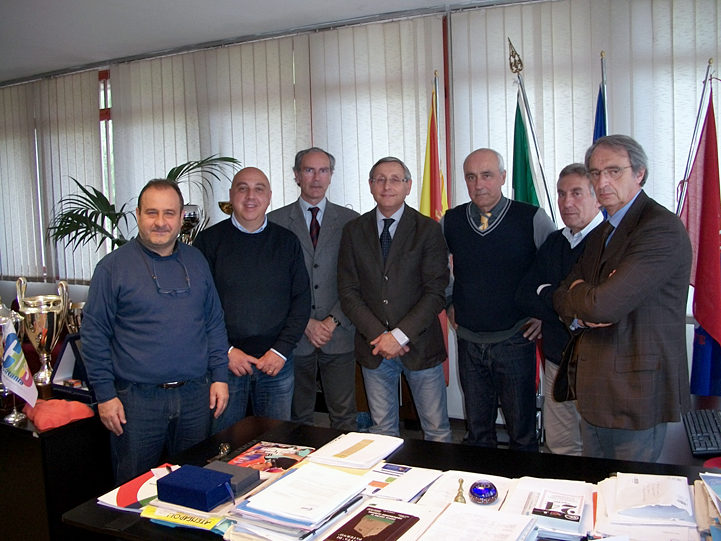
x=356, y=450
x=397, y=482
x=646, y=507
x=471, y=522
x=299, y=504
x=445, y=489
x=563, y=509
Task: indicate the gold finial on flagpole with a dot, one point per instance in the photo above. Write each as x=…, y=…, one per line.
x=514, y=59
x=603, y=54
x=710, y=61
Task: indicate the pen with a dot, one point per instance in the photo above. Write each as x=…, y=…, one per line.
x=335, y=515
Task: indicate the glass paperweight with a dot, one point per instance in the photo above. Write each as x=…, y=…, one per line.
x=483, y=492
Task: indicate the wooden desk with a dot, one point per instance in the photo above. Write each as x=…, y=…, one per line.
x=443, y=456
x=46, y=473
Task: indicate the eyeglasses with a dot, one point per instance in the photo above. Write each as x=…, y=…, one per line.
x=393, y=181
x=168, y=290
x=611, y=172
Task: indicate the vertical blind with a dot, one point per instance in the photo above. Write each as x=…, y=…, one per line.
x=656, y=57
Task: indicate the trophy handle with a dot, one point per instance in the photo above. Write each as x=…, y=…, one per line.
x=20, y=286
x=65, y=299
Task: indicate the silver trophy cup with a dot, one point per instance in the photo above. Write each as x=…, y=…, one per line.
x=44, y=318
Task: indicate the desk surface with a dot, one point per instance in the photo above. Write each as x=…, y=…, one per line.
x=441, y=456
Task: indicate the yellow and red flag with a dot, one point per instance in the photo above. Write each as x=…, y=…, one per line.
x=434, y=201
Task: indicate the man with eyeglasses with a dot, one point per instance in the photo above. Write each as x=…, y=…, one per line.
x=494, y=241
x=629, y=291
x=392, y=274
x=327, y=345
x=154, y=339
x=260, y=274
x=579, y=210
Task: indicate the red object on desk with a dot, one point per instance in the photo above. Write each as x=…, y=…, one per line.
x=54, y=413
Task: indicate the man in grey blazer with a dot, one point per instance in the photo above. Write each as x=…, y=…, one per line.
x=327, y=346
x=629, y=290
x=392, y=275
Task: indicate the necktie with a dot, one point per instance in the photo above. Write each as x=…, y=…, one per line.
x=314, y=226
x=606, y=232
x=386, y=237
x=484, y=220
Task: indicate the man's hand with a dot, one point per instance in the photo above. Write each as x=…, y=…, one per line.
x=270, y=363
x=451, y=314
x=240, y=363
x=319, y=333
x=112, y=414
x=218, y=397
x=533, y=329
x=387, y=345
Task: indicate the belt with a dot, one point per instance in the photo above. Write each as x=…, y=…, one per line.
x=172, y=384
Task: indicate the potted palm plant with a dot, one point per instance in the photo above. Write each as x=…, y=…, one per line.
x=88, y=215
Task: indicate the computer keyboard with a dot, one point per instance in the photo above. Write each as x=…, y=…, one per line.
x=703, y=428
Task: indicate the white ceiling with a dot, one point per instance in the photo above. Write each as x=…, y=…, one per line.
x=44, y=36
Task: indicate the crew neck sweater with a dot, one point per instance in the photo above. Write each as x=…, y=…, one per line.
x=262, y=283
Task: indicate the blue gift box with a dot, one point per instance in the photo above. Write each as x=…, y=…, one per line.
x=198, y=488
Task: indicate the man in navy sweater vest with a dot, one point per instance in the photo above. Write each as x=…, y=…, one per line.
x=579, y=211
x=261, y=279
x=493, y=241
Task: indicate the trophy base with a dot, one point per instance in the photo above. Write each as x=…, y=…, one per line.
x=45, y=390
x=15, y=417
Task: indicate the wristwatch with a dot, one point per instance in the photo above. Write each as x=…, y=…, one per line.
x=335, y=320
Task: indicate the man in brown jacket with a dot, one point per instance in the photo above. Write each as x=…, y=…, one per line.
x=392, y=275
x=629, y=290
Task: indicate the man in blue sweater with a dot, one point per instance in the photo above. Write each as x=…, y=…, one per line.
x=494, y=241
x=579, y=211
x=154, y=340
x=260, y=274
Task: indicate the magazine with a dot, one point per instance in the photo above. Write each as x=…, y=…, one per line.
x=271, y=458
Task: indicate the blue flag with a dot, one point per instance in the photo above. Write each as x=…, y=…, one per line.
x=599, y=128
x=706, y=370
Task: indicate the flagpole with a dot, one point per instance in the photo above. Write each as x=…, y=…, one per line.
x=434, y=104
x=691, y=152
x=603, y=83
x=516, y=64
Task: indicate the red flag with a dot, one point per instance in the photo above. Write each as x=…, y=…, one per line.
x=701, y=214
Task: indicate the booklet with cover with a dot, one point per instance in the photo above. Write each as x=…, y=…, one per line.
x=271, y=458
x=356, y=450
x=138, y=492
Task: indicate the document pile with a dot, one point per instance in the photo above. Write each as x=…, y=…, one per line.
x=563, y=509
x=471, y=522
x=304, y=502
x=398, y=482
x=356, y=450
x=644, y=506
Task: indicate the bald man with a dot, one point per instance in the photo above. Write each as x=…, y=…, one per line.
x=263, y=285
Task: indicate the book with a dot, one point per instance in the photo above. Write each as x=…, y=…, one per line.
x=271, y=458
x=356, y=450
x=138, y=492
x=559, y=510
x=374, y=523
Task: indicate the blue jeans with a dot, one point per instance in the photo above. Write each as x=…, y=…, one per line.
x=504, y=371
x=157, y=418
x=623, y=444
x=271, y=396
x=428, y=388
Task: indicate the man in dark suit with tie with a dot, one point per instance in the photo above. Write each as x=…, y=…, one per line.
x=392, y=275
x=327, y=346
x=629, y=290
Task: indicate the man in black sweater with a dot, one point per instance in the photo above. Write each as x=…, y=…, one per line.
x=263, y=285
x=554, y=260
